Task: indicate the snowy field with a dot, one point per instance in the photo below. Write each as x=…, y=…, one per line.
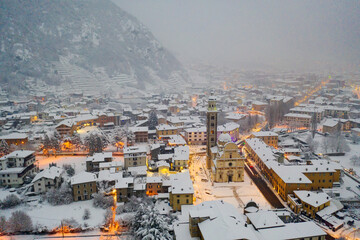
x=345, y=160
x=44, y=214
x=78, y=162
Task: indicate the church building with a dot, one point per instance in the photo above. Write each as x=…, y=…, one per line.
x=224, y=161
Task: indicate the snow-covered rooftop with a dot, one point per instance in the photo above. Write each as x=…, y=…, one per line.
x=228, y=127
x=18, y=154
x=297, y=115
x=135, y=149
x=49, y=173
x=290, y=174
x=265, y=219
x=83, y=177
x=314, y=199
x=162, y=127
x=265, y=134
x=300, y=230
x=124, y=182
x=181, y=183
x=225, y=137
x=181, y=153
x=99, y=157
x=14, y=136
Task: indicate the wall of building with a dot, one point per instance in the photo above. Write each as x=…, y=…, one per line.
x=83, y=191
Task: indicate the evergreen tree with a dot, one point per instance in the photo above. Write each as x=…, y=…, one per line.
x=149, y=224
x=95, y=143
x=46, y=142
x=76, y=141
x=153, y=120
x=4, y=147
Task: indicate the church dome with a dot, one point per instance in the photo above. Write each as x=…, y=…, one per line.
x=224, y=138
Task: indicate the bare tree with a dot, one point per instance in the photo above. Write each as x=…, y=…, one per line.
x=87, y=214
x=10, y=201
x=325, y=144
x=102, y=201
x=95, y=143
x=4, y=147
x=338, y=143
x=312, y=144
x=2, y=224
x=19, y=222
x=355, y=160
x=354, y=137
x=60, y=196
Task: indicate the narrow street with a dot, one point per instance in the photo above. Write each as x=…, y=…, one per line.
x=264, y=188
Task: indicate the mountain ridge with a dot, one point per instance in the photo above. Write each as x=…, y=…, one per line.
x=94, y=35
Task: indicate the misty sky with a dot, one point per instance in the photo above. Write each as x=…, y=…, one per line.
x=294, y=34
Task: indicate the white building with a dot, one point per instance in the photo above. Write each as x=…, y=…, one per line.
x=135, y=156
x=48, y=179
x=195, y=136
x=16, y=166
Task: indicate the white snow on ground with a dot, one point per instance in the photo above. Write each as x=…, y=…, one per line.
x=205, y=191
x=78, y=162
x=87, y=131
x=5, y=192
x=51, y=216
x=345, y=160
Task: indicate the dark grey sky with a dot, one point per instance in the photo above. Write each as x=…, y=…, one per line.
x=295, y=34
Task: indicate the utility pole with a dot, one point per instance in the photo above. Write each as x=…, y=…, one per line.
x=62, y=228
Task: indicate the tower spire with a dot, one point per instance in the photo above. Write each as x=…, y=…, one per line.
x=211, y=127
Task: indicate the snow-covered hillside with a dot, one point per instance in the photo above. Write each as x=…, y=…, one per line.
x=85, y=46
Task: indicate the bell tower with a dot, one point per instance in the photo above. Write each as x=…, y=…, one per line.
x=211, y=128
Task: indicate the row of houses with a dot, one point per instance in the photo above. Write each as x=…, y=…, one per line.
x=286, y=179
x=177, y=188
